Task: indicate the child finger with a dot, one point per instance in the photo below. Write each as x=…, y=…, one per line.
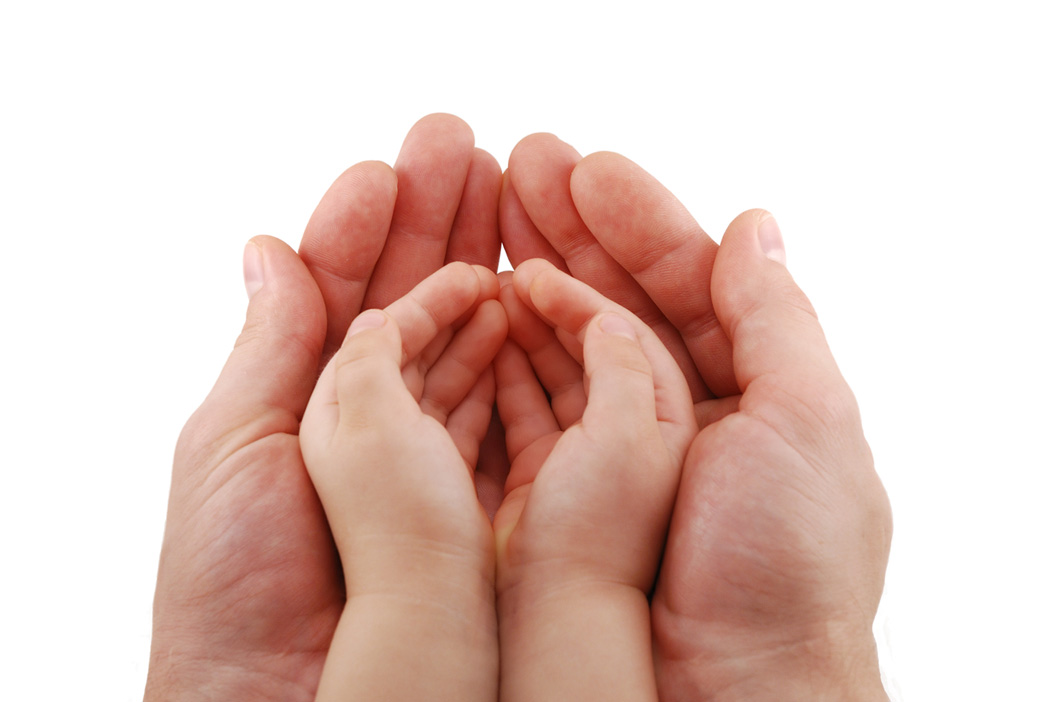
x=558, y=370
x=572, y=305
x=468, y=421
x=465, y=358
x=621, y=403
x=489, y=289
x=523, y=406
x=434, y=304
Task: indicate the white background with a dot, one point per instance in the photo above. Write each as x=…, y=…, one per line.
x=901, y=145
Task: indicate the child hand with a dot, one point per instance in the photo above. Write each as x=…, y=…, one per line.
x=594, y=470
x=390, y=439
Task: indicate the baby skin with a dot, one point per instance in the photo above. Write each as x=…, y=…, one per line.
x=549, y=601
x=594, y=472
x=390, y=438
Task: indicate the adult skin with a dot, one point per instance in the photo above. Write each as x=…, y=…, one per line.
x=776, y=554
x=249, y=590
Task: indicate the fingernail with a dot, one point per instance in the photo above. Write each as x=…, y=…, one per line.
x=254, y=269
x=771, y=240
x=617, y=326
x=368, y=319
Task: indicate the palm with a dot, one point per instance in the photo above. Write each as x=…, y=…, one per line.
x=259, y=546
x=781, y=528
x=746, y=534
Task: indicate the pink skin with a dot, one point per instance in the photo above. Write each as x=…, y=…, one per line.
x=598, y=418
x=390, y=439
x=249, y=589
x=777, y=548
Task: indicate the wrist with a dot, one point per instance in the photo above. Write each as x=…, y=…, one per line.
x=586, y=640
x=421, y=570
x=424, y=645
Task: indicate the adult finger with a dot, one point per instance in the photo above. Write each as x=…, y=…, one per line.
x=541, y=171
x=780, y=355
x=267, y=380
x=431, y=172
x=474, y=237
x=656, y=241
x=521, y=238
x=343, y=240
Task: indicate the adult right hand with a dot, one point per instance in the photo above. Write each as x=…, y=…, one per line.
x=778, y=544
x=249, y=590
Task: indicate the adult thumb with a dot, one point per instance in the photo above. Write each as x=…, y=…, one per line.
x=273, y=366
x=779, y=352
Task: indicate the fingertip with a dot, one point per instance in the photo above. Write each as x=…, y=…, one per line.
x=367, y=186
x=372, y=335
x=254, y=267
x=525, y=275
x=467, y=274
x=274, y=361
x=495, y=319
x=535, y=159
x=771, y=240
x=592, y=166
x=445, y=127
x=614, y=325
x=529, y=282
x=770, y=322
x=272, y=266
x=379, y=173
x=485, y=160
x=488, y=281
x=368, y=319
x=758, y=232
x=532, y=141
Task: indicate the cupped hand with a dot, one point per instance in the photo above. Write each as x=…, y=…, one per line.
x=777, y=548
x=596, y=427
x=249, y=590
x=392, y=432
x=598, y=418
x=390, y=439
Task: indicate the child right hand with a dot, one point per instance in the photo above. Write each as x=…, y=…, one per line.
x=594, y=471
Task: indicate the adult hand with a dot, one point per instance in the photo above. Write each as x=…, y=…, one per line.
x=248, y=590
x=777, y=548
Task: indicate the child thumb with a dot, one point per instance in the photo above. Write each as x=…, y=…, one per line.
x=368, y=379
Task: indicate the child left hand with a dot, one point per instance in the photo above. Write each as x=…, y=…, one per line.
x=390, y=439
